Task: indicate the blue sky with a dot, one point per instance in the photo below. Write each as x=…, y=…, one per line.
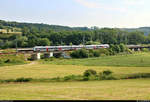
x=101, y=13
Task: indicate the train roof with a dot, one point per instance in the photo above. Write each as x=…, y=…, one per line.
x=69, y=46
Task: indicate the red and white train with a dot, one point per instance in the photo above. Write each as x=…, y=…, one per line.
x=67, y=48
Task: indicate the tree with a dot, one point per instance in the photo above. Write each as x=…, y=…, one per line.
x=43, y=42
x=122, y=48
x=81, y=53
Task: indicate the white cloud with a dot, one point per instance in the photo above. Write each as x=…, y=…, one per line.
x=135, y=2
x=88, y=4
x=96, y=5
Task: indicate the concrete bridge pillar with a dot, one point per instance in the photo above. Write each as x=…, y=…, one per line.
x=139, y=49
x=48, y=55
x=133, y=49
x=36, y=56
x=51, y=54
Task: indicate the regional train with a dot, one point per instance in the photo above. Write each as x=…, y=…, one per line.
x=67, y=48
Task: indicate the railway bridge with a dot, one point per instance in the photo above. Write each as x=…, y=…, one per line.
x=137, y=47
x=47, y=54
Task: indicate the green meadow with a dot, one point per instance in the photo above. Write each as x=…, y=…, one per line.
x=128, y=89
x=138, y=59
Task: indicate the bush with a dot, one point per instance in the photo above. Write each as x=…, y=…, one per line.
x=1, y=61
x=73, y=78
x=9, y=80
x=96, y=53
x=89, y=72
x=123, y=48
x=85, y=78
x=137, y=75
x=107, y=72
x=129, y=51
x=91, y=55
x=56, y=79
x=145, y=50
x=57, y=55
x=106, y=75
x=104, y=51
x=7, y=61
x=81, y=53
x=23, y=79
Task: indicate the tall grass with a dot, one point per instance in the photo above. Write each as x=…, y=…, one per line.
x=139, y=59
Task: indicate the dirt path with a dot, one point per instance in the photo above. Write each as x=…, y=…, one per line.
x=29, y=64
x=32, y=63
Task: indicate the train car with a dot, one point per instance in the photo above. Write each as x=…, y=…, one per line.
x=67, y=48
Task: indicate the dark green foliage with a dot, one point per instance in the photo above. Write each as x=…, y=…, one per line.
x=137, y=75
x=100, y=76
x=23, y=79
x=107, y=72
x=43, y=42
x=73, y=78
x=57, y=55
x=114, y=49
x=123, y=48
x=85, y=78
x=17, y=80
x=145, y=50
x=43, y=34
x=82, y=53
x=104, y=51
x=7, y=61
x=12, y=59
x=56, y=79
x=106, y=75
x=89, y=72
x=96, y=53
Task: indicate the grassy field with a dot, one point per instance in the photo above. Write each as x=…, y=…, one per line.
x=50, y=71
x=8, y=60
x=135, y=89
x=133, y=60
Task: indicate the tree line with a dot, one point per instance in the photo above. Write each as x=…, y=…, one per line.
x=39, y=35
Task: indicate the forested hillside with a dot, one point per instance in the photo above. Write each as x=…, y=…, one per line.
x=146, y=30
x=44, y=34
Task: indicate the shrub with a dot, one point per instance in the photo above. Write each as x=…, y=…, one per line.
x=66, y=78
x=145, y=50
x=106, y=75
x=129, y=51
x=81, y=53
x=49, y=59
x=1, y=61
x=137, y=75
x=107, y=72
x=91, y=55
x=123, y=48
x=7, y=61
x=89, y=72
x=96, y=53
x=9, y=80
x=104, y=51
x=56, y=79
x=73, y=78
x=23, y=79
x=57, y=55
x=85, y=78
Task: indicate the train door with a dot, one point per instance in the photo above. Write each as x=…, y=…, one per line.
x=59, y=48
x=94, y=47
x=47, y=49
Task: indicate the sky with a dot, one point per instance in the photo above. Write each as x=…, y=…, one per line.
x=78, y=13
